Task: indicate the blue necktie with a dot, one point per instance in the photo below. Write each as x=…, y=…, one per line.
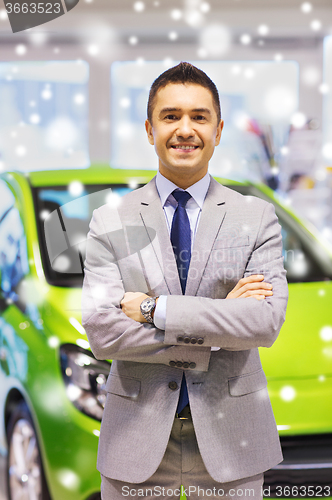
x=181, y=242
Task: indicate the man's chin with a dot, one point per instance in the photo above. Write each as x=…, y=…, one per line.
x=181, y=171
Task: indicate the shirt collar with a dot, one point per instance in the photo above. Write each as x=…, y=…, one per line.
x=198, y=190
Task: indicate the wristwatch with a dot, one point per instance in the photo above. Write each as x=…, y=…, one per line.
x=147, y=307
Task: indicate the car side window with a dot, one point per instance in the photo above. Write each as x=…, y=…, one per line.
x=13, y=248
x=300, y=264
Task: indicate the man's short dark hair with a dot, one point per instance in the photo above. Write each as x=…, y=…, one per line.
x=184, y=73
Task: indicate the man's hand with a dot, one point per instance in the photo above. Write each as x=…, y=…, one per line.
x=252, y=286
x=130, y=305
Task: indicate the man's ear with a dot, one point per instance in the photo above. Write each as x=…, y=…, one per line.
x=219, y=130
x=148, y=128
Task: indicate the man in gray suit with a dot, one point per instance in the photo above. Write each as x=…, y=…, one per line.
x=184, y=280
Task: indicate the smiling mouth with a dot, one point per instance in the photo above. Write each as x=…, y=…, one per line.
x=184, y=148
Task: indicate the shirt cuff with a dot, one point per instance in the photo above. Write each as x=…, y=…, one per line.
x=159, y=317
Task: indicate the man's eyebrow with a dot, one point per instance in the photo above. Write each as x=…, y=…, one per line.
x=196, y=110
x=169, y=110
x=202, y=110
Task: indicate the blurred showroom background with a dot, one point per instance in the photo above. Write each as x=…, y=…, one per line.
x=73, y=91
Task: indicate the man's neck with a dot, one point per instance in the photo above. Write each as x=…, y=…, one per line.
x=182, y=182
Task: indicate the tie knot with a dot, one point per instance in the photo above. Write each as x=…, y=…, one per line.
x=181, y=197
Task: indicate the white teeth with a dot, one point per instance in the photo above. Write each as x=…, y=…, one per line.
x=185, y=147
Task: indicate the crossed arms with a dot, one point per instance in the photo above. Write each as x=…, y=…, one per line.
x=121, y=333
x=252, y=286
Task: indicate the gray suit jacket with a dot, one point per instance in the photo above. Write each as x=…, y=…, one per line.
x=129, y=249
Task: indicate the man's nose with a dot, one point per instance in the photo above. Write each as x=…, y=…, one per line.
x=185, y=128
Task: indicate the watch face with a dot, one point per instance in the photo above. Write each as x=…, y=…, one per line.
x=147, y=304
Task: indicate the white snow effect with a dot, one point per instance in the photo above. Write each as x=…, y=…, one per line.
x=139, y=6
x=245, y=39
x=287, y=393
x=172, y=35
x=21, y=150
x=125, y=102
x=263, y=29
x=53, y=342
x=79, y=99
x=176, y=14
x=325, y=333
x=113, y=200
x=215, y=39
x=76, y=188
x=280, y=101
x=324, y=88
x=46, y=94
x=327, y=150
x=133, y=40
x=34, y=118
x=310, y=76
x=249, y=73
x=298, y=120
x=20, y=49
x=306, y=7
x=316, y=25
x=61, y=264
x=93, y=49
x=205, y=7
x=3, y=15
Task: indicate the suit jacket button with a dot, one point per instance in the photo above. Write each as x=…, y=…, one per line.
x=192, y=365
x=200, y=340
x=180, y=338
x=173, y=385
x=186, y=364
x=172, y=363
x=186, y=340
x=179, y=364
x=193, y=340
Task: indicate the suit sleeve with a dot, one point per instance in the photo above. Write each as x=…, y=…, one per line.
x=243, y=323
x=111, y=334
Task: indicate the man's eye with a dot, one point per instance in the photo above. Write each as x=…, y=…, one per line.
x=200, y=118
x=170, y=117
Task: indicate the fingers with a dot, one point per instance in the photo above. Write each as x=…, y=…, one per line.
x=255, y=288
x=249, y=279
x=253, y=293
x=251, y=286
x=130, y=305
x=258, y=297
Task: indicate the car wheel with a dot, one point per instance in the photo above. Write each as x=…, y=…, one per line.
x=25, y=475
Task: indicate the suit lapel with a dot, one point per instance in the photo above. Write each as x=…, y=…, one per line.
x=153, y=218
x=212, y=216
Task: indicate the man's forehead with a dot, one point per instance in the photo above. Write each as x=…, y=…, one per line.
x=183, y=94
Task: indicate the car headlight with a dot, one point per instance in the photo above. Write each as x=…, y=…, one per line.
x=85, y=378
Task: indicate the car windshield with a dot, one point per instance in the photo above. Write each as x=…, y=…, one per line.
x=63, y=215
x=305, y=259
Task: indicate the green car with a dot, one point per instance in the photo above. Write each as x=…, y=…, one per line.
x=52, y=389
